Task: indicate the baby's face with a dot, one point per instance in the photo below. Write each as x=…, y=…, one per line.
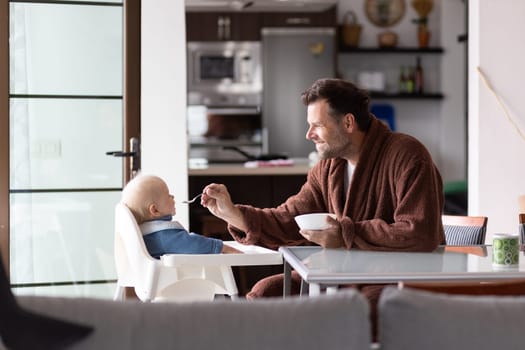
x=166, y=202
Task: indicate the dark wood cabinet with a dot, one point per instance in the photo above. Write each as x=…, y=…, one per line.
x=246, y=26
x=225, y=26
x=260, y=191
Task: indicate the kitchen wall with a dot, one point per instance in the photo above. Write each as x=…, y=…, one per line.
x=439, y=124
x=495, y=170
x=496, y=147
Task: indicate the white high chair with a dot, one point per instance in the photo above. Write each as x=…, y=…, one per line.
x=188, y=277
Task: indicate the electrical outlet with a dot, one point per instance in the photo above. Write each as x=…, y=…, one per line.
x=47, y=148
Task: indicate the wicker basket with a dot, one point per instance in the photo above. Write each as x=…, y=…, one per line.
x=350, y=30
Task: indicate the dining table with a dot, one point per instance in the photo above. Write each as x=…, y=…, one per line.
x=324, y=270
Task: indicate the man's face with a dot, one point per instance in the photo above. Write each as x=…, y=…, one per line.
x=330, y=137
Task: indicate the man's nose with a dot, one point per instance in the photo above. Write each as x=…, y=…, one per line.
x=309, y=134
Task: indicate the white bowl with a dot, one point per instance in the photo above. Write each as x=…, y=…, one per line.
x=315, y=221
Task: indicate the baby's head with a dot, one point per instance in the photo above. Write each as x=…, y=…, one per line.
x=148, y=198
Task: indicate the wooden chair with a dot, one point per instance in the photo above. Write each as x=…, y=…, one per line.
x=464, y=230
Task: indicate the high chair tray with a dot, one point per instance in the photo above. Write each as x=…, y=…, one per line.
x=252, y=255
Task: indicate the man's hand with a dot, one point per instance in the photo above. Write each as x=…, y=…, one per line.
x=217, y=199
x=328, y=238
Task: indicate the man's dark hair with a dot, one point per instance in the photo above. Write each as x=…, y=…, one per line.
x=342, y=97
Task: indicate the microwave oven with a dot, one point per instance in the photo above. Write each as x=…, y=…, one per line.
x=224, y=73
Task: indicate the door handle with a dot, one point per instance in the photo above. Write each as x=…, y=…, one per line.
x=120, y=154
x=134, y=145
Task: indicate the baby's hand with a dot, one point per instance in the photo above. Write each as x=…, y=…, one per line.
x=226, y=249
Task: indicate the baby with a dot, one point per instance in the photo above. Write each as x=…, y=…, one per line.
x=153, y=206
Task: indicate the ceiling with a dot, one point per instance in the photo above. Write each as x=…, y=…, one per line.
x=259, y=5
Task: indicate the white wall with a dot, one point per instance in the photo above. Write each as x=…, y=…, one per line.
x=164, y=96
x=495, y=148
x=453, y=128
x=441, y=124
x=496, y=167
x=405, y=29
x=163, y=113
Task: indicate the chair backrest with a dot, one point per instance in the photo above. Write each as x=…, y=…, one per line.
x=385, y=112
x=464, y=230
x=135, y=267
x=163, y=280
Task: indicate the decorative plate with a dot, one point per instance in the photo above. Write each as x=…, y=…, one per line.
x=385, y=13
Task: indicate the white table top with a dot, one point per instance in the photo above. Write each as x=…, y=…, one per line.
x=341, y=266
x=252, y=255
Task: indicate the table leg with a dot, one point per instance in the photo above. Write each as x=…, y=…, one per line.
x=287, y=285
x=314, y=289
x=304, y=288
x=331, y=290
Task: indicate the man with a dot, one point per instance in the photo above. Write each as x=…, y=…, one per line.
x=383, y=187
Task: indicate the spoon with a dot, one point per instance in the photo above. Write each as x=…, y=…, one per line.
x=193, y=199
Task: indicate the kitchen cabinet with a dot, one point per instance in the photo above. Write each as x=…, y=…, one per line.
x=327, y=18
x=388, y=61
x=223, y=26
x=258, y=190
x=246, y=26
x=263, y=191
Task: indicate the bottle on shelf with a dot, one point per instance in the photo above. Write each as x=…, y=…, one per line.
x=410, y=81
x=418, y=77
x=402, y=80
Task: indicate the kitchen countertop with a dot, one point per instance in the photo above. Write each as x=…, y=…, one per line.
x=300, y=167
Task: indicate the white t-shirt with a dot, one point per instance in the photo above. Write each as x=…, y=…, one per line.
x=349, y=173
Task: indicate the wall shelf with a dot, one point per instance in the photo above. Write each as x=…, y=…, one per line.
x=425, y=96
x=348, y=51
x=400, y=50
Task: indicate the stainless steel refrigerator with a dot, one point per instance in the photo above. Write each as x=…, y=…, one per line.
x=293, y=58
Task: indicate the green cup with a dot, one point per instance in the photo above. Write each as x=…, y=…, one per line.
x=505, y=250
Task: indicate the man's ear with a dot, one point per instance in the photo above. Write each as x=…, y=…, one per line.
x=349, y=122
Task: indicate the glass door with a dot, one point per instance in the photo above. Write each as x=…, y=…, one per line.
x=66, y=110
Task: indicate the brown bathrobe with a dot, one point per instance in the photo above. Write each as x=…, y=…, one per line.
x=395, y=202
x=395, y=199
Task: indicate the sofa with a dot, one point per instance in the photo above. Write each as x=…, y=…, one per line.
x=409, y=319
x=326, y=322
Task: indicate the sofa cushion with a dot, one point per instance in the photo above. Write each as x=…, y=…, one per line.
x=328, y=321
x=413, y=319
